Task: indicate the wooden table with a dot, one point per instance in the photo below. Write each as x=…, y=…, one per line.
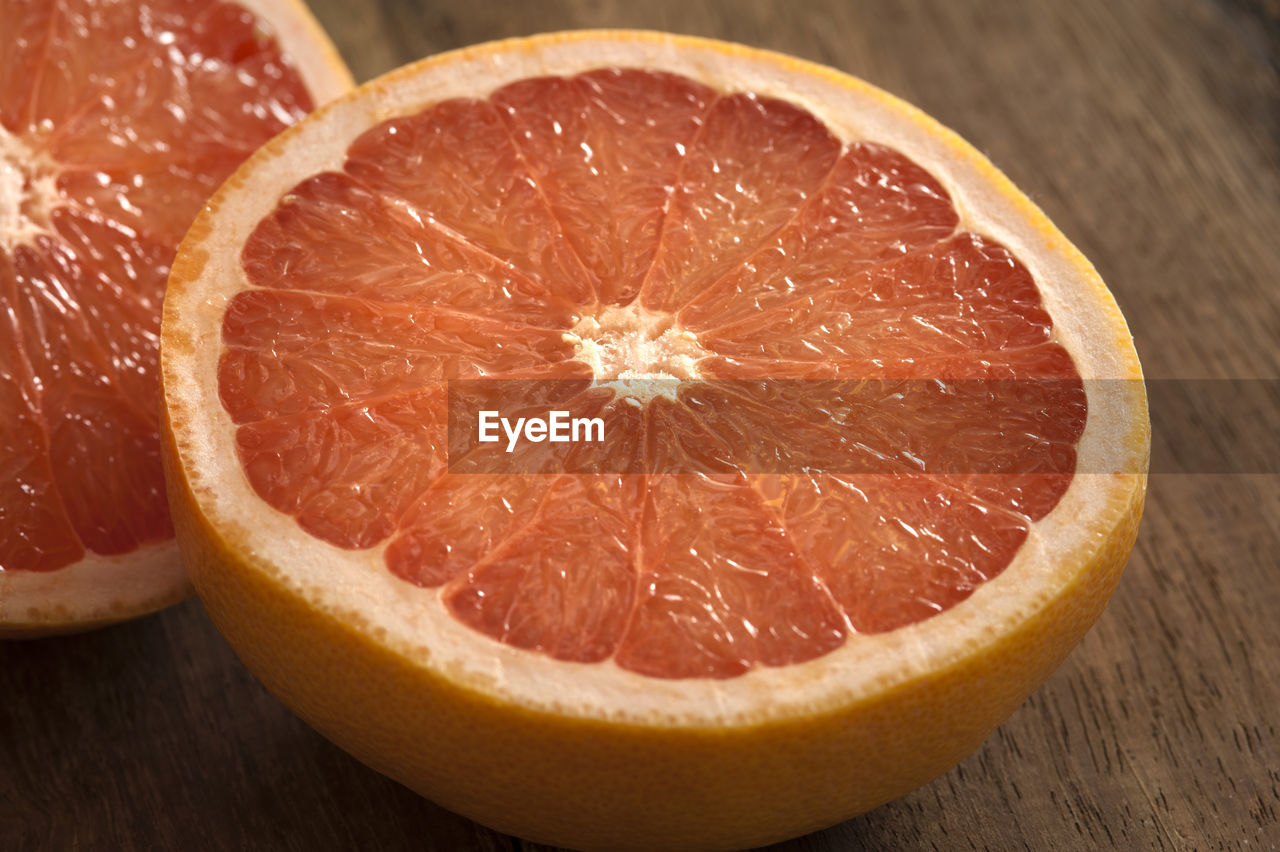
x=1150, y=132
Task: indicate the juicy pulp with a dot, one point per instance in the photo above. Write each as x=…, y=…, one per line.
x=509, y=237
x=117, y=121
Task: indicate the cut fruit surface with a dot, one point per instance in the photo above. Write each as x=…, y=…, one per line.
x=740, y=233
x=856, y=476
x=117, y=120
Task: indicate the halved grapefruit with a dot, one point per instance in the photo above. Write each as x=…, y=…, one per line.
x=117, y=120
x=694, y=649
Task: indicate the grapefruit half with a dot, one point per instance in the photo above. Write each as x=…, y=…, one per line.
x=117, y=120
x=687, y=650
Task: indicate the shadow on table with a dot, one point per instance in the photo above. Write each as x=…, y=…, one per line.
x=151, y=734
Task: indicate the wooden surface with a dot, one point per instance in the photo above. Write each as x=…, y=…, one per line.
x=1150, y=132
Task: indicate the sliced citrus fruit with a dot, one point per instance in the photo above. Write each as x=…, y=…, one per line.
x=117, y=120
x=689, y=634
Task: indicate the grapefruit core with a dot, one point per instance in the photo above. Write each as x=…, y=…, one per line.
x=704, y=660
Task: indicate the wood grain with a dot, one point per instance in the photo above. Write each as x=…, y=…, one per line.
x=1150, y=132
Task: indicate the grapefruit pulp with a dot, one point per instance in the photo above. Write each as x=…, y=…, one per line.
x=117, y=120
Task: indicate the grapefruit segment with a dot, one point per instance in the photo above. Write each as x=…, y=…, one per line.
x=457, y=167
x=523, y=592
x=349, y=473
x=101, y=443
x=20, y=56
x=678, y=439
x=722, y=588
x=932, y=545
x=336, y=235
x=457, y=521
x=966, y=297
x=1046, y=362
x=123, y=193
x=276, y=365
x=876, y=206
x=747, y=174
x=28, y=489
x=118, y=333
x=201, y=100
x=607, y=185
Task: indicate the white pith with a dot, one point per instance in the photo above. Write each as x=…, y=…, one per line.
x=97, y=589
x=638, y=353
x=100, y=589
x=357, y=587
x=28, y=191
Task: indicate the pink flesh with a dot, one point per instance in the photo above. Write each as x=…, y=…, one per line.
x=139, y=110
x=464, y=241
